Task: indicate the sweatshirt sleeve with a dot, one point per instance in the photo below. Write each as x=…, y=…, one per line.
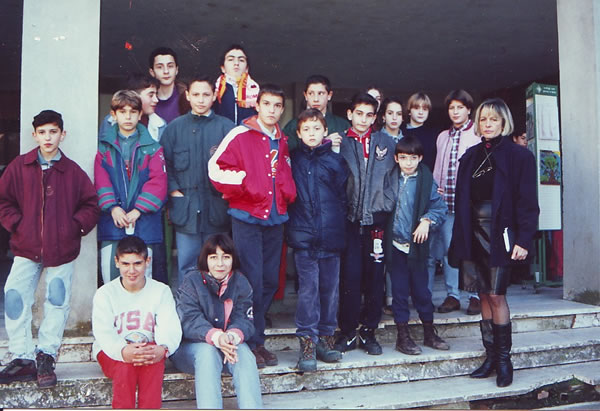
x=10, y=212
x=437, y=207
x=168, y=328
x=103, y=325
x=154, y=191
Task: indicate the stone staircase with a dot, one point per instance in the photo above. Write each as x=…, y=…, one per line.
x=554, y=340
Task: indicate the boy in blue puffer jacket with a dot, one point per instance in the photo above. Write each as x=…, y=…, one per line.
x=316, y=230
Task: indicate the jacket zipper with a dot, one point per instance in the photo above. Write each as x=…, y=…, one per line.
x=42, y=213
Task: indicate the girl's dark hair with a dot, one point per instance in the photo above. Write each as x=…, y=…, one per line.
x=222, y=241
x=381, y=113
x=409, y=145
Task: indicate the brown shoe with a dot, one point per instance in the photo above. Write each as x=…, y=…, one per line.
x=449, y=304
x=260, y=361
x=474, y=307
x=431, y=339
x=268, y=356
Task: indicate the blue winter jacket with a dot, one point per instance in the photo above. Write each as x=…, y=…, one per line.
x=318, y=216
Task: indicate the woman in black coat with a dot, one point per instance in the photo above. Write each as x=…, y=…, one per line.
x=496, y=219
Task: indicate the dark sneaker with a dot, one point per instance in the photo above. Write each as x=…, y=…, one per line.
x=269, y=357
x=308, y=359
x=344, y=342
x=18, y=370
x=449, y=304
x=367, y=341
x=260, y=361
x=474, y=307
x=325, y=350
x=45, y=370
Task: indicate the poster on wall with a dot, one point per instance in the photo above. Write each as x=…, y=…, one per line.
x=543, y=139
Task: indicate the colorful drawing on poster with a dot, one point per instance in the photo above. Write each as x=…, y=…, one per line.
x=550, y=167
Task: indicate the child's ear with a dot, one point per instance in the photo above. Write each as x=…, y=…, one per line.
x=420, y=158
x=349, y=115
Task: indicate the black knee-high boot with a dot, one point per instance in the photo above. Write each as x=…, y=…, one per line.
x=487, y=337
x=503, y=344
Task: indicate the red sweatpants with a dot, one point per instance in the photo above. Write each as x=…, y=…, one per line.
x=126, y=377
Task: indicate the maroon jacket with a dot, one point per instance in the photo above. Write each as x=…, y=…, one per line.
x=47, y=215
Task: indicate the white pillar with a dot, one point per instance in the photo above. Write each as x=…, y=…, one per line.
x=59, y=71
x=579, y=60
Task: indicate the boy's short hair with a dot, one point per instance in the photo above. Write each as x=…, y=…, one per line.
x=500, y=107
x=417, y=99
x=311, y=114
x=459, y=95
x=384, y=105
x=124, y=98
x=363, y=98
x=270, y=89
x=138, y=82
x=317, y=79
x=132, y=245
x=48, y=117
x=161, y=51
x=225, y=243
x=409, y=145
x=201, y=78
x=235, y=47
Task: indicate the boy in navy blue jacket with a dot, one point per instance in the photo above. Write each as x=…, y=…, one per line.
x=316, y=230
x=418, y=206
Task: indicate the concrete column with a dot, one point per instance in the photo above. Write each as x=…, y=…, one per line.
x=59, y=71
x=579, y=54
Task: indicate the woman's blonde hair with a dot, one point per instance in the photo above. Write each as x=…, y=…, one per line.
x=499, y=106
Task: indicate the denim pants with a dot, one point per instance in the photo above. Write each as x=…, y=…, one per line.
x=404, y=282
x=259, y=249
x=205, y=362
x=19, y=294
x=316, y=310
x=188, y=250
x=360, y=274
x=108, y=268
x=443, y=235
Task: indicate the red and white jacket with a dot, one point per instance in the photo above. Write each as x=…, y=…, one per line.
x=242, y=170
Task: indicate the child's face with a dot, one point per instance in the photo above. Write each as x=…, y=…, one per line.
x=219, y=264
x=490, y=123
x=132, y=268
x=362, y=117
x=127, y=118
x=408, y=162
x=458, y=112
x=316, y=96
x=149, y=100
x=164, y=69
x=393, y=117
x=235, y=64
x=312, y=132
x=373, y=92
x=269, y=108
x=201, y=97
x=521, y=140
x=48, y=137
x=419, y=114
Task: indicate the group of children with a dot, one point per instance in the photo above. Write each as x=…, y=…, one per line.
x=352, y=202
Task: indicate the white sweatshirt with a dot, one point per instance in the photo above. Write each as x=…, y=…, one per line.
x=118, y=314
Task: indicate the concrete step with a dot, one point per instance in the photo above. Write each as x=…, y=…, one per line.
x=444, y=393
x=82, y=384
x=547, y=315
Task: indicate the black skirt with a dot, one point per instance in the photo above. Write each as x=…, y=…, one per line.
x=476, y=275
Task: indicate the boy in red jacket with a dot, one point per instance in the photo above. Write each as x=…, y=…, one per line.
x=252, y=169
x=47, y=203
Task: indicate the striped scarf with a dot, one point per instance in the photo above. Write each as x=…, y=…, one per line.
x=247, y=90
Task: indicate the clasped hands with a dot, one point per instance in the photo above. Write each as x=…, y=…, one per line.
x=123, y=219
x=143, y=353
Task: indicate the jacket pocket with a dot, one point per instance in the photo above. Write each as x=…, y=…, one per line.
x=179, y=210
x=181, y=160
x=217, y=211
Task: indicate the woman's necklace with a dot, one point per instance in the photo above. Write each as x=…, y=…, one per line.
x=482, y=169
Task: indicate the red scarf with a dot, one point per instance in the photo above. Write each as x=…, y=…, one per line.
x=247, y=90
x=365, y=139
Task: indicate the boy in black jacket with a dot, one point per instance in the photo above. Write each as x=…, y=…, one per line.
x=316, y=230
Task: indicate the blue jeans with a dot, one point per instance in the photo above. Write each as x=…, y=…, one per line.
x=19, y=294
x=259, y=249
x=404, y=282
x=205, y=362
x=444, y=236
x=316, y=310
